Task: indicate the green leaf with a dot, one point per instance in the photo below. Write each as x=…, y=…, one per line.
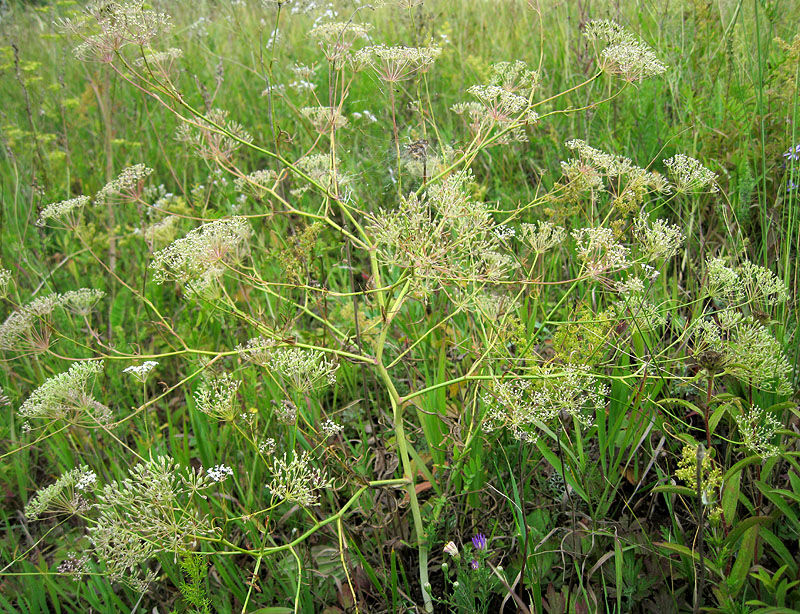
x=683, y=550
x=676, y=490
x=730, y=496
x=743, y=560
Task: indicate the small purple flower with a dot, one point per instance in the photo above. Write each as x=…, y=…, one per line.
x=793, y=153
x=479, y=542
x=474, y=564
x=792, y=186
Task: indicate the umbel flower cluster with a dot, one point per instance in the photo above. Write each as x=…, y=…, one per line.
x=302, y=369
x=504, y=103
x=64, y=496
x=747, y=283
x=297, y=480
x=217, y=397
x=737, y=345
x=395, y=64
x=29, y=328
x=68, y=397
x=594, y=171
x=108, y=27
x=148, y=512
x=623, y=53
x=443, y=236
x=204, y=252
x=523, y=406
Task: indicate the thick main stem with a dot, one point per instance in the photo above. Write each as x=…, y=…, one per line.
x=408, y=474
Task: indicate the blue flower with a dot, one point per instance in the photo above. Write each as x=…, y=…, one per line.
x=793, y=153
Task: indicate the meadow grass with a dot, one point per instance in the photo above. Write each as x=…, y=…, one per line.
x=498, y=316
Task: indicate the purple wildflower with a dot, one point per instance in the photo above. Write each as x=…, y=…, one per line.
x=793, y=153
x=479, y=542
x=474, y=564
x=792, y=186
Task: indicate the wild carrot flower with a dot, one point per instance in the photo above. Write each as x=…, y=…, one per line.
x=336, y=39
x=148, y=512
x=522, y=405
x=325, y=169
x=761, y=286
x=214, y=137
x=161, y=63
x=331, y=428
x=162, y=232
x=744, y=349
x=324, y=119
x=658, y=240
x=599, y=250
x=502, y=102
x=74, y=566
x=543, y=236
x=256, y=350
x=442, y=237
x=303, y=369
x=257, y=184
x=108, y=27
x=722, y=281
x=219, y=473
x=29, y=328
x=5, y=281
x=83, y=301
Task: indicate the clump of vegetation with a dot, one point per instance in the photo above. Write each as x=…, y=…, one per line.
x=341, y=306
